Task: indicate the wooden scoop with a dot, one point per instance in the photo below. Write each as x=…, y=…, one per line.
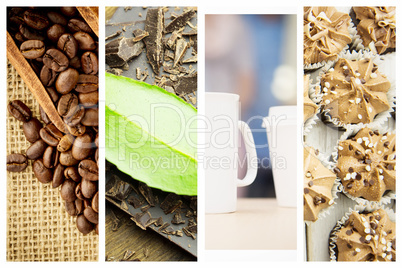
x=90, y=15
x=34, y=84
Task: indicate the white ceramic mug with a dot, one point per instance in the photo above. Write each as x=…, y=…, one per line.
x=221, y=152
x=281, y=126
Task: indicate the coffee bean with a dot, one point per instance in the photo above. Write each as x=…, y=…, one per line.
x=89, y=99
x=67, y=80
x=19, y=110
x=52, y=94
x=97, y=156
x=67, y=190
x=78, y=192
x=76, y=117
x=55, y=60
x=89, y=63
x=78, y=25
x=90, y=118
x=86, y=83
x=72, y=174
x=16, y=162
x=85, y=41
x=97, y=140
x=50, y=157
x=68, y=11
x=31, y=129
x=51, y=135
x=83, y=225
x=95, y=202
x=54, y=32
x=82, y=147
x=88, y=188
x=29, y=33
x=35, y=20
x=58, y=176
x=47, y=76
x=66, y=159
x=88, y=169
x=32, y=49
x=87, y=203
x=36, y=150
x=75, y=62
x=76, y=130
x=65, y=143
x=70, y=208
x=79, y=206
x=68, y=44
x=43, y=116
x=67, y=105
x=42, y=173
x=91, y=215
x=57, y=18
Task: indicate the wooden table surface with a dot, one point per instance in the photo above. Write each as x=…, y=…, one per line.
x=257, y=224
x=148, y=245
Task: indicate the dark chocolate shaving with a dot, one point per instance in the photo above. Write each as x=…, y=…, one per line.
x=141, y=219
x=177, y=219
x=139, y=34
x=181, y=48
x=120, y=51
x=147, y=193
x=186, y=84
x=154, y=26
x=180, y=21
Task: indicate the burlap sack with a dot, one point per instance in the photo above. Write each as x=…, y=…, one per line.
x=38, y=227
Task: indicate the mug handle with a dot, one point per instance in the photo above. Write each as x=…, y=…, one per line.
x=252, y=161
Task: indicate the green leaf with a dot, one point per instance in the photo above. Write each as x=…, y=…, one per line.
x=151, y=135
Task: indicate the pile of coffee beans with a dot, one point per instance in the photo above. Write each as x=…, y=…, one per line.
x=62, y=50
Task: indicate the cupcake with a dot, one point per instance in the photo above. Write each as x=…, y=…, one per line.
x=366, y=164
x=310, y=108
x=325, y=34
x=364, y=237
x=354, y=92
x=318, y=183
x=376, y=27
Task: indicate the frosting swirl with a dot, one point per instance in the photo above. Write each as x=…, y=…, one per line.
x=366, y=164
x=377, y=27
x=325, y=33
x=318, y=182
x=354, y=91
x=367, y=237
x=310, y=108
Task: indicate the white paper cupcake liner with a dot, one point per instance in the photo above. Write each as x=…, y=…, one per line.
x=359, y=208
x=391, y=94
x=316, y=97
x=386, y=198
x=334, y=191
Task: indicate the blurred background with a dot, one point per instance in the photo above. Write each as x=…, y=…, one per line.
x=253, y=56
